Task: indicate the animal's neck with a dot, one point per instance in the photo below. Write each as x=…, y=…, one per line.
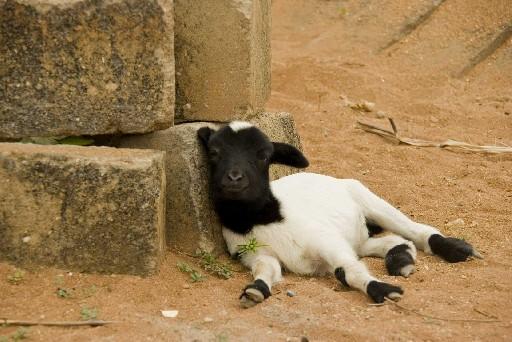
x=240, y=217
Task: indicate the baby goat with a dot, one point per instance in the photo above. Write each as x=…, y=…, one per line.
x=309, y=223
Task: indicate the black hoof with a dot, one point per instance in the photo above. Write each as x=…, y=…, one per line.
x=254, y=293
x=339, y=273
x=399, y=262
x=378, y=291
x=451, y=249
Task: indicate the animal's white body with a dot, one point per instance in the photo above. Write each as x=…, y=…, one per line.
x=309, y=223
x=324, y=227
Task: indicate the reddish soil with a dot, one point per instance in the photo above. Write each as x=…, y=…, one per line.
x=321, y=50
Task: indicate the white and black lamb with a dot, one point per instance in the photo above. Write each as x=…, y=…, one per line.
x=309, y=223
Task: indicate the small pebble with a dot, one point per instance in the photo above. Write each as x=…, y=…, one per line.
x=169, y=313
x=381, y=114
x=457, y=222
x=186, y=286
x=290, y=293
x=208, y=319
x=434, y=119
x=368, y=106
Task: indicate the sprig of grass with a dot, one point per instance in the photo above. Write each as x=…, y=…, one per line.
x=16, y=278
x=89, y=291
x=88, y=313
x=18, y=335
x=63, y=292
x=212, y=265
x=195, y=276
x=250, y=247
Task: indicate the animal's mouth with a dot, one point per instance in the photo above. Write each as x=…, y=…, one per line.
x=234, y=189
x=235, y=192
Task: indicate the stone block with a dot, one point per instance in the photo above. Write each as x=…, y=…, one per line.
x=91, y=209
x=191, y=220
x=222, y=59
x=84, y=67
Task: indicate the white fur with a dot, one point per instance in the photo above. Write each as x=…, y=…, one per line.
x=239, y=125
x=324, y=228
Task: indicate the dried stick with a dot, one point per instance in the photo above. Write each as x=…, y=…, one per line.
x=484, y=313
x=447, y=144
x=92, y=323
x=441, y=318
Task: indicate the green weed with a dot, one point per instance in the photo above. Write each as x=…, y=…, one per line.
x=88, y=313
x=63, y=292
x=212, y=265
x=18, y=335
x=195, y=276
x=250, y=247
x=16, y=278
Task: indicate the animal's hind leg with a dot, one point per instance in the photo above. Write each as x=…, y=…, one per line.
x=350, y=271
x=398, y=253
x=426, y=238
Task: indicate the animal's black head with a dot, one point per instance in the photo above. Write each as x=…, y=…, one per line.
x=239, y=156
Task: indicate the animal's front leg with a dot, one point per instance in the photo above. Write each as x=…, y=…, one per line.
x=266, y=271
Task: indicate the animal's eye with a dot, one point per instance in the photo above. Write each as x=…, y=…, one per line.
x=214, y=153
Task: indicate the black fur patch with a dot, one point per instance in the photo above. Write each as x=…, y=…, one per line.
x=288, y=155
x=260, y=286
x=204, y=134
x=378, y=290
x=241, y=217
x=398, y=257
x=340, y=275
x=450, y=249
x=373, y=228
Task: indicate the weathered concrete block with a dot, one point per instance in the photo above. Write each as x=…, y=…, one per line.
x=84, y=67
x=89, y=209
x=191, y=219
x=222, y=59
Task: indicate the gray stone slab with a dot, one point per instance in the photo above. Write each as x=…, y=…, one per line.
x=83, y=67
x=88, y=209
x=222, y=59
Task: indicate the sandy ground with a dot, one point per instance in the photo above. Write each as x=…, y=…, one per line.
x=323, y=50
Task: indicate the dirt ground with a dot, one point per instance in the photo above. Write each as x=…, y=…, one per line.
x=323, y=50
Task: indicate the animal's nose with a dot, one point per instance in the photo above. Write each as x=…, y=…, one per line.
x=235, y=175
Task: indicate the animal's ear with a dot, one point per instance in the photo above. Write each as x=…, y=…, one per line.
x=204, y=134
x=288, y=155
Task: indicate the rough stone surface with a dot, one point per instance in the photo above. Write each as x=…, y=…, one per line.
x=222, y=59
x=191, y=219
x=85, y=67
x=88, y=209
